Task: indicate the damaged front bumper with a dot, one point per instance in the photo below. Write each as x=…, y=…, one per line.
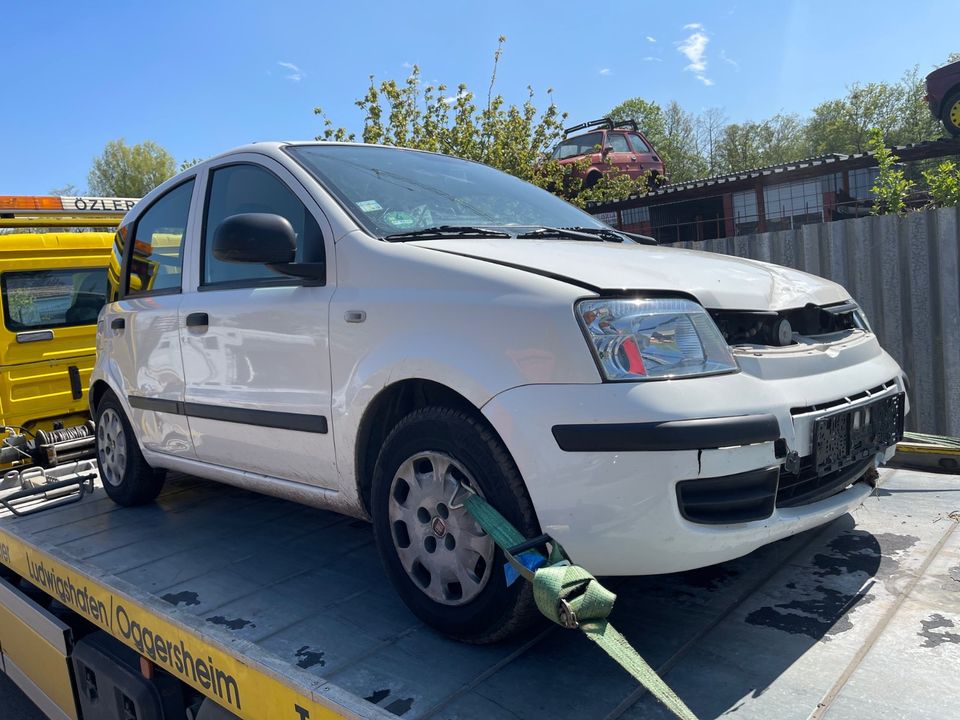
x=660, y=477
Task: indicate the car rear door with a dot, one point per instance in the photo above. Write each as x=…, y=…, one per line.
x=139, y=331
x=646, y=158
x=255, y=346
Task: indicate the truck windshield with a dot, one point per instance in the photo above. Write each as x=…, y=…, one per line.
x=43, y=299
x=390, y=191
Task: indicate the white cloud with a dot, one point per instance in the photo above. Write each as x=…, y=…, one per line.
x=406, y=65
x=650, y=38
x=729, y=60
x=295, y=73
x=453, y=98
x=694, y=48
x=605, y=71
x=651, y=58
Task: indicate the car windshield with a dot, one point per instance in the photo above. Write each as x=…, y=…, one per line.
x=391, y=191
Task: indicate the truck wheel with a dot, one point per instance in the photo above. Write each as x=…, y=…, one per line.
x=126, y=476
x=951, y=113
x=445, y=567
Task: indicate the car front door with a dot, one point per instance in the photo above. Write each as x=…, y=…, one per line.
x=139, y=330
x=620, y=155
x=255, y=344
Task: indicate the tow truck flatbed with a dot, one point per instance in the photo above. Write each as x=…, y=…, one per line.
x=288, y=610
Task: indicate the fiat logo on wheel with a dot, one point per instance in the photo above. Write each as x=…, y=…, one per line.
x=439, y=527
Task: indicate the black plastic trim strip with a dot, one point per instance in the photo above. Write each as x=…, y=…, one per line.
x=155, y=404
x=261, y=418
x=698, y=434
x=76, y=387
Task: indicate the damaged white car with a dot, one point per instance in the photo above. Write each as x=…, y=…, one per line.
x=369, y=329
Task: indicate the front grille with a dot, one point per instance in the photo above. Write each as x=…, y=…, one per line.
x=806, y=487
x=823, y=407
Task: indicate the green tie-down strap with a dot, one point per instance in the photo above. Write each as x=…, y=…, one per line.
x=573, y=598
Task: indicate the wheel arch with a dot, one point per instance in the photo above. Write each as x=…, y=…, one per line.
x=386, y=409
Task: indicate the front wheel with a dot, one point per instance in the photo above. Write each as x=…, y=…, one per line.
x=446, y=569
x=126, y=476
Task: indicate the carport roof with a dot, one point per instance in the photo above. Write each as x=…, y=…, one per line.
x=794, y=170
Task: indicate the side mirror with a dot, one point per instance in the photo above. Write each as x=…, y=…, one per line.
x=261, y=238
x=607, y=150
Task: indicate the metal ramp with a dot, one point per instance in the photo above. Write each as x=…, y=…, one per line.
x=846, y=621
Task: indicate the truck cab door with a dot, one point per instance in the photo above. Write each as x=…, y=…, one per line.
x=139, y=332
x=255, y=342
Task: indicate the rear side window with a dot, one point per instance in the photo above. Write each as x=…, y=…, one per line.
x=639, y=146
x=253, y=189
x=156, y=262
x=46, y=299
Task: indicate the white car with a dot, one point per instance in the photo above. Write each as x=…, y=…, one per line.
x=369, y=329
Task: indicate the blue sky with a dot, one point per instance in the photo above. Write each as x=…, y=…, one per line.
x=201, y=77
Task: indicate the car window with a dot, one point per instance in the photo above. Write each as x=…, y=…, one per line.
x=639, y=146
x=618, y=141
x=252, y=189
x=157, y=260
x=43, y=299
x=391, y=190
x=580, y=145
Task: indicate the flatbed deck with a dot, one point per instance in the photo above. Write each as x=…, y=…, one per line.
x=858, y=618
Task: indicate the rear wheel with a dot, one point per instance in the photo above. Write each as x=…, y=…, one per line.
x=446, y=569
x=126, y=476
x=951, y=113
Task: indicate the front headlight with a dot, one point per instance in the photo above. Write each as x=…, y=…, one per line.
x=648, y=339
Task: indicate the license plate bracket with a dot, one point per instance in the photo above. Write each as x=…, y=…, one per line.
x=846, y=437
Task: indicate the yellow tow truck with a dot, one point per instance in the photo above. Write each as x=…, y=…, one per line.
x=55, y=253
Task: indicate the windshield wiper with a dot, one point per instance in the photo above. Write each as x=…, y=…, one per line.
x=446, y=231
x=577, y=233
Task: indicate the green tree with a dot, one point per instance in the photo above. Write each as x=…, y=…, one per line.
x=843, y=125
x=943, y=182
x=674, y=133
x=891, y=188
x=748, y=145
x=517, y=139
x=130, y=170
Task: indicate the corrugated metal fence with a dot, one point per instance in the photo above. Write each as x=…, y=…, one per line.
x=904, y=273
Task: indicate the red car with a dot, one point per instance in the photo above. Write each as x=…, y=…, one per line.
x=612, y=144
x=943, y=96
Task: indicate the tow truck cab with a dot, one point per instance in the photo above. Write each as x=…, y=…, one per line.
x=55, y=255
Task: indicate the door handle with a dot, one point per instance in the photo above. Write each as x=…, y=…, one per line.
x=633, y=157
x=118, y=324
x=197, y=320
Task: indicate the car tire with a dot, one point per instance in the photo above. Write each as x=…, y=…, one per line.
x=591, y=180
x=951, y=113
x=125, y=475
x=461, y=592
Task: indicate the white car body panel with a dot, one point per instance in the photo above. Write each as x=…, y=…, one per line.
x=716, y=281
x=494, y=321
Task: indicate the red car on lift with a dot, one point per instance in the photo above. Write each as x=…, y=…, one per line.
x=943, y=96
x=610, y=144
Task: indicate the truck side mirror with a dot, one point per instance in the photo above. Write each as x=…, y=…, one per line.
x=260, y=238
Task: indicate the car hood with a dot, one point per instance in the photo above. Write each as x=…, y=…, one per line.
x=717, y=281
